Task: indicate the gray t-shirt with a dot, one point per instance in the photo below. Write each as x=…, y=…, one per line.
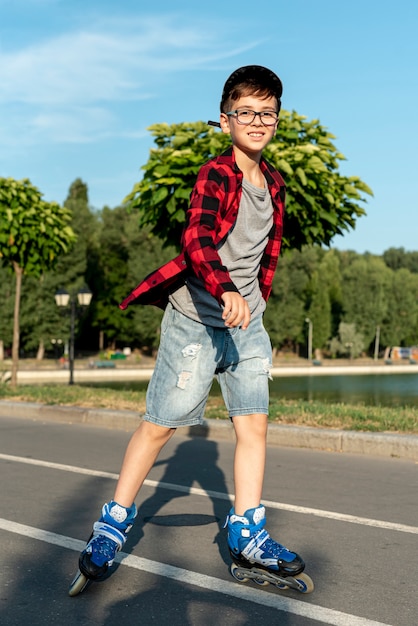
x=241, y=253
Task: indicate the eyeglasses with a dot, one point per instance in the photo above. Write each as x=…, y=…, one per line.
x=246, y=116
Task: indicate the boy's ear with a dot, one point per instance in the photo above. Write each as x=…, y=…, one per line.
x=224, y=121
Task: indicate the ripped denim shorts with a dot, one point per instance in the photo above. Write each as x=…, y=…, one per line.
x=191, y=354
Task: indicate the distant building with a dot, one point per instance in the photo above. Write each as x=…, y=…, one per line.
x=397, y=353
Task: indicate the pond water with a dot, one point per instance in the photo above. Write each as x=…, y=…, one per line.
x=368, y=389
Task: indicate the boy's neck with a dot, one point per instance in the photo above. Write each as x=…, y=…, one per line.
x=249, y=164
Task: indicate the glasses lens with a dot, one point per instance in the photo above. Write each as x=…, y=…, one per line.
x=245, y=116
x=268, y=117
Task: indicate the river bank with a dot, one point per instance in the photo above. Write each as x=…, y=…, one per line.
x=49, y=372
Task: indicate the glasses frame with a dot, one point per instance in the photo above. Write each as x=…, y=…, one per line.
x=259, y=113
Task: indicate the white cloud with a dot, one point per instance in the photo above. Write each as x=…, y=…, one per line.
x=115, y=63
x=66, y=88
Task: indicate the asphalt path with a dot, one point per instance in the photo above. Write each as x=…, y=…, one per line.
x=353, y=519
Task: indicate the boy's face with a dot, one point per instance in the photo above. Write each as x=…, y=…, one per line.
x=251, y=138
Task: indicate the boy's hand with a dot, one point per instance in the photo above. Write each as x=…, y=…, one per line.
x=236, y=310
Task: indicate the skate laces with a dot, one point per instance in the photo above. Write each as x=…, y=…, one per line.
x=104, y=544
x=102, y=549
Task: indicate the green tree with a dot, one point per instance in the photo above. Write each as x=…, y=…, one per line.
x=32, y=236
x=397, y=258
x=321, y=202
x=285, y=310
x=400, y=327
x=41, y=319
x=291, y=292
x=146, y=252
x=6, y=309
x=365, y=284
x=112, y=282
x=320, y=312
x=349, y=342
x=127, y=254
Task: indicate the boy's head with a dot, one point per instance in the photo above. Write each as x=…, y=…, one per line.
x=251, y=80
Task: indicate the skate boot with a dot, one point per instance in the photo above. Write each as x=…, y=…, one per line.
x=108, y=537
x=258, y=557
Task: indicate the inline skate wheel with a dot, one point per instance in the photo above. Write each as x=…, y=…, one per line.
x=281, y=586
x=78, y=584
x=237, y=574
x=261, y=582
x=306, y=582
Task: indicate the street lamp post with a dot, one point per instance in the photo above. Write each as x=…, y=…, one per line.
x=62, y=298
x=310, y=332
x=376, y=343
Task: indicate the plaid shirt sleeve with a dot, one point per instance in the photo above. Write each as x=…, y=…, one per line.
x=212, y=212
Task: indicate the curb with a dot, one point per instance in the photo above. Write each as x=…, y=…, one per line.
x=372, y=444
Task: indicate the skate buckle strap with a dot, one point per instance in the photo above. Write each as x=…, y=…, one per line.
x=255, y=550
x=106, y=530
x=233, y=519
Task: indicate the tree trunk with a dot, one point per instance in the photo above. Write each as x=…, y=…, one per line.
x=1, y=350
x=16, y=329
x=41, y=350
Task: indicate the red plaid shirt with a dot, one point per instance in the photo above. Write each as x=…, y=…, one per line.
x=213, y=210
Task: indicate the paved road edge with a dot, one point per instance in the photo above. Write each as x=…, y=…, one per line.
x=373, y=444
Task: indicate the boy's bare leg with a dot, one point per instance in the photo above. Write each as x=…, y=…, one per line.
x=141, y=453
x=250, y=460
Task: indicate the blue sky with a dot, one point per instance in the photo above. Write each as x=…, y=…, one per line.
x=80, y=82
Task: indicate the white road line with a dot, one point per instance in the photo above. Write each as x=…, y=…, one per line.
x=235, y=590
x=283, y=506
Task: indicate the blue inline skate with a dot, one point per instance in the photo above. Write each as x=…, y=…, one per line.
x=108, y=537
x=257, y=557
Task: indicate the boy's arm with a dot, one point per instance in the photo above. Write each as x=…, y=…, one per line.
x=206, y=224
x=201, y=233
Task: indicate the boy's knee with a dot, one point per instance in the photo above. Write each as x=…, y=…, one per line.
x=253, y=425
x=156, y=432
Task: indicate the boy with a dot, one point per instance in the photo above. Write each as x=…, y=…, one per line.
x=214, y=294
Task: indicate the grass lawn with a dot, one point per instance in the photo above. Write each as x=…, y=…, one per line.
x=297, y=412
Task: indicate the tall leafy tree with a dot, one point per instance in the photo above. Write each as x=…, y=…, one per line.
x=349, y=341
x=127, y=254
x=331, y=271
x=112, y=275
x=286, y=309
x=320, y=312
x=285, y=314
x=321, y=202
x=365, y=288
x=6, y=309
x=397, y=258
x=400, y=327
x=41, y=319
x=33, y=235
x=79, y=268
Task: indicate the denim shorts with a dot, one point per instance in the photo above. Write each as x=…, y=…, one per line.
x=191, y=354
